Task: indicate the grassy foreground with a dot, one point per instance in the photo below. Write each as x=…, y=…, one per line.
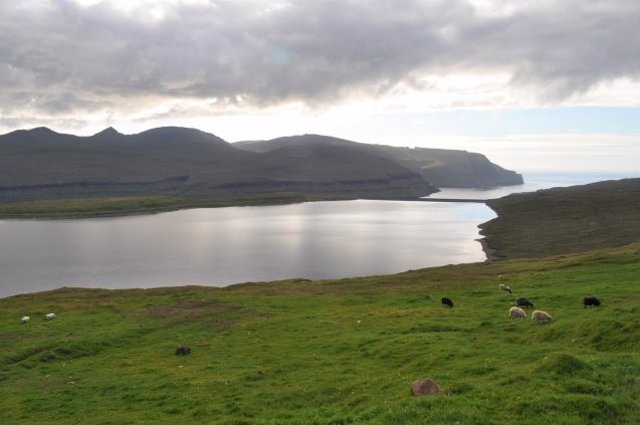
x=335, y=352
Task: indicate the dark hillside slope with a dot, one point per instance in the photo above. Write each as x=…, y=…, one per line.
x=451, y=168
x=564, y=220
x=42, y=164
x=316, y=167
x=48, y=157
x=440, y=167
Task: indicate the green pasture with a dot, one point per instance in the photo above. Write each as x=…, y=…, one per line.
x=335, y=352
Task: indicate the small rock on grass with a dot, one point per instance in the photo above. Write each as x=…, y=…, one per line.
x=425, y=387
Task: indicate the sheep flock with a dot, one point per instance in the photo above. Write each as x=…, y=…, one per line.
x=27, y=319
x=519, y=310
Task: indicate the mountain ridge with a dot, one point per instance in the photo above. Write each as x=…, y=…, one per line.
x=435, y=165
x=180, y=161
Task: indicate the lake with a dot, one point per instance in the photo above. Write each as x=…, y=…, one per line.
x=220, y=246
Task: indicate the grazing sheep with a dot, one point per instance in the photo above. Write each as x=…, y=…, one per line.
x=505, y=288
x=591, y=301
x=523, y=302
x=50, y=316
x=517, y=313
x=541, y=316
x=446, y=302
x=24, y=319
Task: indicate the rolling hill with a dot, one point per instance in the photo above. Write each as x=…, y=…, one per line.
x=440, y=167
x=41, y=164
x=567, y=219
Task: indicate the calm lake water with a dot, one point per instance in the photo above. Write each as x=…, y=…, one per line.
x=220, y=246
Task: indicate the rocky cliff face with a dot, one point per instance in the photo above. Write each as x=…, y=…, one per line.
x=466, y=170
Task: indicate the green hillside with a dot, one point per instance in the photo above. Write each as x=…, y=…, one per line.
x=347, y=351
x=560, y=220
x=335, y=352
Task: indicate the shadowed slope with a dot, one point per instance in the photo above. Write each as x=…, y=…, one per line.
x=41, y=164
x=562, y=220
x=440, y=167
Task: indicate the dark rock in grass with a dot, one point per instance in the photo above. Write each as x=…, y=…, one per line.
x=183, y=351
x=425, y=387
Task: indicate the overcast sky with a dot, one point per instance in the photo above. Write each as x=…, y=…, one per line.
x=401, y=72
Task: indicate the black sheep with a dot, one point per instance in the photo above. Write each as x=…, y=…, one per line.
x=523, y=302
x=446, y=302
x=591, y=301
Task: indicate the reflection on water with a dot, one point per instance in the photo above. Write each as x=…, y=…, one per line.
x=221, y=246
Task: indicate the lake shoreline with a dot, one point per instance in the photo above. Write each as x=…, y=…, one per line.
x=223, y=246
x=70, y=215
x=490, y=253
x=195, y=204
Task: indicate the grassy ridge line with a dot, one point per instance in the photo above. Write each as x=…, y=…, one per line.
x=561, y=220
x=117, y=206
x=335, y=352
x=133, y=205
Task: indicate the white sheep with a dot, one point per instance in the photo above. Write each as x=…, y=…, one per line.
x=24, y=319
x=505, y=288
x=517, y=313
x=541, y=316
x=50, y=316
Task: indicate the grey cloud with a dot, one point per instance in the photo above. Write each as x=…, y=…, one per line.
x=52, y=103
x=22, y=121
x=65, y=56
x=564, y=49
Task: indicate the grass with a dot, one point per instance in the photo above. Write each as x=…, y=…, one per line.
x=127, y=205
x=555, y=221
x=335, y=352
